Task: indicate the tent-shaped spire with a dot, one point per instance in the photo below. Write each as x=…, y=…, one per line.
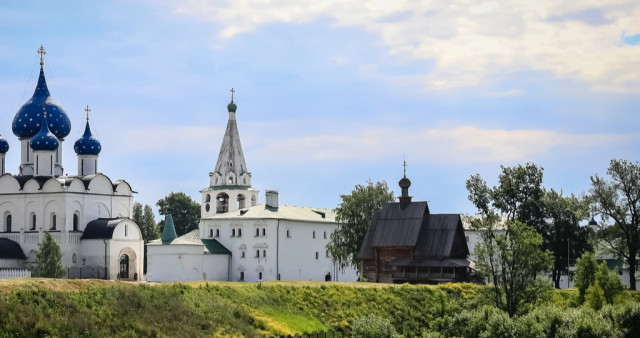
x=231, y=165
x=169, y=231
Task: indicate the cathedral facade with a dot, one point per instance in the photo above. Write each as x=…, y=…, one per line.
x=241, y=240
x=87, y=214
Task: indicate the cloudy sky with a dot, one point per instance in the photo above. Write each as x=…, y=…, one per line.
x=333, y=93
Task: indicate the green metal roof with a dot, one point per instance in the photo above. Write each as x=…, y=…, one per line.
x=215, y=247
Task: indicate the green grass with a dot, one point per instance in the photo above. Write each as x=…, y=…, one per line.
x=93, y=308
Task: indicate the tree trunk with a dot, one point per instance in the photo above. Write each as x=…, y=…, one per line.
x=632, y=273
x=555, y=276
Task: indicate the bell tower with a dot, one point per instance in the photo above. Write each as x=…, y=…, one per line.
x=230, y=182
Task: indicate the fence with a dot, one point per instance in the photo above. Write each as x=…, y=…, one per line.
x=321, y=334
x=96, y=272
x=14, y=273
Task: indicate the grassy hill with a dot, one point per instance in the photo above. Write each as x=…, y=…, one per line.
x=95, y=308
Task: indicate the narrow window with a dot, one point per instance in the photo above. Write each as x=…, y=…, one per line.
x=33, y=222
x=288, y=234
x=53, y=222
x=9, y=223
x=314, y=234
x=74, y=258
x=126, y=230
x=264, y=253
x=217, y=232
x=241, y=275
x=75, y=222
x=325, y=235
x=233, y=232
x=210, y=232
x=242, y=255
x=264, y=231
x=257, y=232
x=260, y=275
x=257, y=253
x=326, y=253
x=239, y=232
x=317, y=255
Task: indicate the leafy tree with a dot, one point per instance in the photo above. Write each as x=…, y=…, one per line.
x=513, y=258
x=146, y=221
x=184, y=210
x=373, y=326
x=48, y=259
x=518, y=195
x=619, y=199
x=589, y=273
x=353, y=216
x=563, y=232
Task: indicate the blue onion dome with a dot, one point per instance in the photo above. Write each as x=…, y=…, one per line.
x=87, y=144
x=4, y=145
x=231, y=107
x=26, y=123
x=44, y=139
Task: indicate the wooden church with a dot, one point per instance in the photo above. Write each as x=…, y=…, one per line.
x=406, y=243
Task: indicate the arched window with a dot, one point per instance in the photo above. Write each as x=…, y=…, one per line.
x=257, y=232
x=233, y=232
x=325, y=235
x=264, y=253
x=75, y=222
x=9, y=223
x=53, y=222
x=288, y=234
x=222, y=203
x=257, y=253
x=239, y=232
x=241, y=203
x=241, y=275
x=317, y=255
x=217, y=232
x=33, y=221
x=260, y=275
x=74, y=258
x=207, y=198
x=264, y=231
x=242, y=255
x=314, y=234
x=210, y=232
x=124, y=266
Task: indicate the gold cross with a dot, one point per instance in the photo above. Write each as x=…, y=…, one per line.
x=232, y=92
x=42, y=53
x=87, y=110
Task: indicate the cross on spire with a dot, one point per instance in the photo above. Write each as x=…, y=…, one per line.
x=87, y=110
x=42, y=53
x=404, y=165
x=232, y=92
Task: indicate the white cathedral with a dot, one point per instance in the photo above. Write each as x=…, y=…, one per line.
x=241, y=240
x=87, y=214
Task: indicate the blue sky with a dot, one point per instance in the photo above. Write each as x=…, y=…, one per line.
x=333, y=93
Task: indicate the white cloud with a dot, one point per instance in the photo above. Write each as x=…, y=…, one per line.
x=470, y=41
x=465, y=144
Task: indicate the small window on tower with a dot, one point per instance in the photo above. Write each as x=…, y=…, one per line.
x=217, y=232
x=233, y=232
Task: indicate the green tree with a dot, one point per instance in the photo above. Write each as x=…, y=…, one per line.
x=184, y=210
x=586, y=267
x=589, y=273
x=372, y=325
x=518, y=195
x=48, y=259
x=565, y=237
x=143, y=216
x=618, y=199
x=353, y=216
x=513, y=258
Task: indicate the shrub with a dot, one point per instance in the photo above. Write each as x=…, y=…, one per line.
x=372, y=326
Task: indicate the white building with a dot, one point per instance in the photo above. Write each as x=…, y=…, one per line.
x=241, y=240
x=87, y=214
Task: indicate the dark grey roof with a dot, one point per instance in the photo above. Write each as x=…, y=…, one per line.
x=400, y=227
x=102, y=228
x=443, y=236
x=10, y=249
x=430, y=235
x=23, y=179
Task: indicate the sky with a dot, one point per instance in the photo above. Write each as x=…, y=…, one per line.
x=331, y=94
